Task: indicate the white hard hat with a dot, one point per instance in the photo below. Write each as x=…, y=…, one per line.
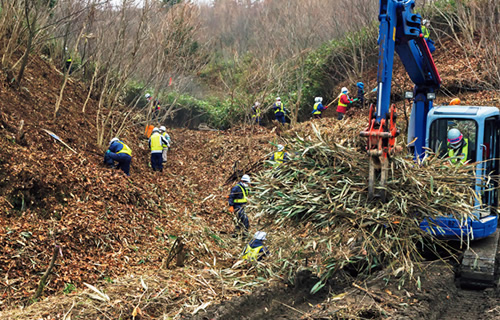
x=162, y=128
x=280, y=147
x=344, y=90
x=425, y=22
x=156, y=130
x=147, y=95
x=260, y=235
x=316, y=99
x=455, y=137
x=245, y=178
x=278, y=99
x=257, y=103
x=113, y=140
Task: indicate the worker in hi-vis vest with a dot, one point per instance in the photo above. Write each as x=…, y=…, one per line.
x=118, y=151
x=458, y=147
x=237, y=199
x=279, y=156
x=156, y=143
x=255, y=250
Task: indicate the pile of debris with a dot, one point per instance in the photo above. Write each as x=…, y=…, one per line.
x=324, y=188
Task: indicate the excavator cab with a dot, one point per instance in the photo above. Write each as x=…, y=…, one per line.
x=400, y=32
x=480, y=127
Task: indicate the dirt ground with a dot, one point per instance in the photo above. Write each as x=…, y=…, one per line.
x=438, y=298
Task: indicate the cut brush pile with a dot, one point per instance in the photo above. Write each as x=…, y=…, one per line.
x=324, y=186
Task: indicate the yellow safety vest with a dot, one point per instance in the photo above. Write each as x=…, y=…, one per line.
x=257, y=113
x=316, y=111
x=164, y=135
x=340, y=103
x=156, y=142
x=463, y=152
x=426, y=32
x=245, y=194
x=279, y=109
x=251, y=253
x=279, y=156
x=125, y=149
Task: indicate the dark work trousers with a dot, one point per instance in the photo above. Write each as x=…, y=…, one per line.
x=157, y=161
x=123, y=160
x=242, y=220
x=281, y=119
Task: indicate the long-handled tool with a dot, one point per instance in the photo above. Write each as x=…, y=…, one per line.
x=53, y=135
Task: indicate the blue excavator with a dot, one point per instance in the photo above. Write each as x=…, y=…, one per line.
x=400, y=31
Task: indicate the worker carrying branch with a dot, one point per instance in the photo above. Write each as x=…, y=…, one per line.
x=344, y=101
x=458, y=147
x=237, y=199
x=118, y=151
x=318, y=108
x=255, y=249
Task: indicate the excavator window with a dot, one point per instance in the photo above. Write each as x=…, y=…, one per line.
x=438, y=136
x=491, y=164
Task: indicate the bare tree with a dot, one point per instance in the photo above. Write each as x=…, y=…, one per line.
x=474, y=27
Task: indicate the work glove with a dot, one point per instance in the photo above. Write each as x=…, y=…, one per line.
x=231, y=209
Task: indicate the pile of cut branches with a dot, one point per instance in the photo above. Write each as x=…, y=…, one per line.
x=324, y=186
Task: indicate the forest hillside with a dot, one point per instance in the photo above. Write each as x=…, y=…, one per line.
x=160, y=245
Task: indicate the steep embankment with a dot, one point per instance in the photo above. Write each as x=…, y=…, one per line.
x=105, y=223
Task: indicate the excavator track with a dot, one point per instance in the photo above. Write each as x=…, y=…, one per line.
x=480, y=266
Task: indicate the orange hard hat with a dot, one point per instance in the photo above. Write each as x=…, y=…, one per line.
x=455, y=102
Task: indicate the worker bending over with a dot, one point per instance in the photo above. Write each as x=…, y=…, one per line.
x=255, y=249
x=118, y=151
